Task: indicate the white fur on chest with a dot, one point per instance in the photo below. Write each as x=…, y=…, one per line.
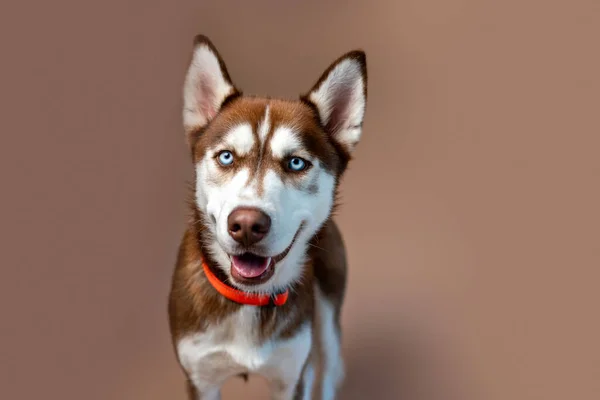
x=232, y=347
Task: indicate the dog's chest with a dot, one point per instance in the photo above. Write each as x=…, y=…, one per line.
x=234, y=346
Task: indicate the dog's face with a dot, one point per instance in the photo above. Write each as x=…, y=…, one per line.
x=267, y=170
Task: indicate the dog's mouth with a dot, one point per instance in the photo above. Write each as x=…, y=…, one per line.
x=253, y=269
x=250, y=266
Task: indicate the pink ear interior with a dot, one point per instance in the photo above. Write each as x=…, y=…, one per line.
x=341, y=98
x=205, y=96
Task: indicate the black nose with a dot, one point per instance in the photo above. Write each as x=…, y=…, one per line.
x=248, y=225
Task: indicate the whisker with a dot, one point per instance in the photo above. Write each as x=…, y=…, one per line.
x=320, y=248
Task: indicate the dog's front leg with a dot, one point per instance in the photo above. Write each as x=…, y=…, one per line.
x=286, y=389
x=300, y=388
x=203, y=391
x=290, y=374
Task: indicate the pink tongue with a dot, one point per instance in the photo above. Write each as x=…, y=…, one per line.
x=249, y=265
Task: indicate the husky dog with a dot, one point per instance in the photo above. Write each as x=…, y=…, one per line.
x=261, y=272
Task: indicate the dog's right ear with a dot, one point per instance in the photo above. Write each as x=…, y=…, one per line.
x=207, y=85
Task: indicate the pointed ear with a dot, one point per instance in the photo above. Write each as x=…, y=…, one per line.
x=340, y=97
x=207, y=85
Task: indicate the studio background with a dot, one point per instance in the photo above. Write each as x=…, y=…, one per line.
x=470, y=211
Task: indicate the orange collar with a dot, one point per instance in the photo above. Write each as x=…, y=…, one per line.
x=242, y=297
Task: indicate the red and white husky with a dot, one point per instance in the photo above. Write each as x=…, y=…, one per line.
x=261, y=272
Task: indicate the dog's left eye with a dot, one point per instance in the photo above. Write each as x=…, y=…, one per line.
x=225, y=158
x=297, y=164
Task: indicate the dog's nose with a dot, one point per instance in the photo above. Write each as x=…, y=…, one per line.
x=248, y=225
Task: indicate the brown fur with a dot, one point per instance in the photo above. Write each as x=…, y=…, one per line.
x=193, y=302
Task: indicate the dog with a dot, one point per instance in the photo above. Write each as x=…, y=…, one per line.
x=260, y=276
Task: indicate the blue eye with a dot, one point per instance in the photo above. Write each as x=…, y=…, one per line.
x=297, y=164
x=225, y=158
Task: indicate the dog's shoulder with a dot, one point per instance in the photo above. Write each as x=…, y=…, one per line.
x=328, y=254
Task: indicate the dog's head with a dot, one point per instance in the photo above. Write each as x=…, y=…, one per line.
x=266, y=171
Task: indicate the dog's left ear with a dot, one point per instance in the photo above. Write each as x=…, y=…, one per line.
x=207, y=85
x=340, y=97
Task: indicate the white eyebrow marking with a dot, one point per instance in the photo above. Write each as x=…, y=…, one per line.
x=284, y=141
x=240, y=138
x=265, y=125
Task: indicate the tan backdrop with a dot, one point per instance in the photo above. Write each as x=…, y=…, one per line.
x=471, y=210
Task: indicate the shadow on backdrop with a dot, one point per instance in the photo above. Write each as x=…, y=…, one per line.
x=389, y=364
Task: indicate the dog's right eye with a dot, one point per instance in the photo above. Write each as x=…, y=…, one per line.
x=225, y=158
